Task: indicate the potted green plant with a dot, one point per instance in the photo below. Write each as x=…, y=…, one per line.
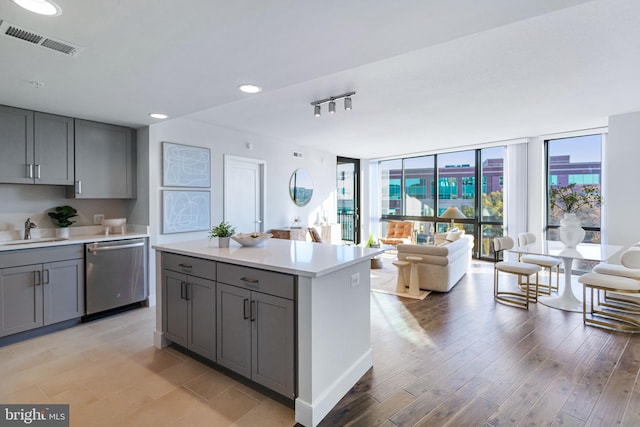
x=223, y=232
x=570, y=200
x=61, y=217
x=372, y=242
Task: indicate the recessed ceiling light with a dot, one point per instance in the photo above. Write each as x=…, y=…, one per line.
x=249, y=88
x=158, y=116
x=41, y=7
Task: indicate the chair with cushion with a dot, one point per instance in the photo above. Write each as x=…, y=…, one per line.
x=398, y=232
x=523, y=270
x=315, y=236
x=615, y=304
x=546, y=262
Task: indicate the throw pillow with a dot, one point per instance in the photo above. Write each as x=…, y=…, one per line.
x=452, y=236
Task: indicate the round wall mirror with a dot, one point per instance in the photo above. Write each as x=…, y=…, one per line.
x=300, y=187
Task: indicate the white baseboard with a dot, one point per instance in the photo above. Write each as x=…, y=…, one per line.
x=310, y=414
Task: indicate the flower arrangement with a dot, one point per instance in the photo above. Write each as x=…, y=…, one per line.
x=571, y=198
x=224, y=229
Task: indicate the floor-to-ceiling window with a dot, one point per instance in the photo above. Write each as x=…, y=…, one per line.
x=492, y=201
x=421, y=189
x=348, y=198
x=575, y=162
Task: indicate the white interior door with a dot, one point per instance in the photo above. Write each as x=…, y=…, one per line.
x=244, y=193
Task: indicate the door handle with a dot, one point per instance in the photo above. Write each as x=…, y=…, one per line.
x=182, y=290
x=37, y=171
x=46, y=277
x=245, y=316
x=253, y=311
x=187, y=286
x=78, y=187
x=29, y=170
x=37, y=278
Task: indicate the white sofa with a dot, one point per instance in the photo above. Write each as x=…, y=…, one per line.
x=442, y=265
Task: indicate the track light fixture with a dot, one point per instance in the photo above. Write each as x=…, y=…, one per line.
x=332, y=103
x=347, y=103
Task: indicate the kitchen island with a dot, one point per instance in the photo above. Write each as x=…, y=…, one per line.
x=332, y=344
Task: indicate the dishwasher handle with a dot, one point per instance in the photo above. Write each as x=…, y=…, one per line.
x=99, y=248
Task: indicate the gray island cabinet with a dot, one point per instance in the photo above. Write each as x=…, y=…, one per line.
x=256, y=324
x=290, y=315
x=189, y=317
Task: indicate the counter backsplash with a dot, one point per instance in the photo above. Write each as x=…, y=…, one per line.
x=83, y=230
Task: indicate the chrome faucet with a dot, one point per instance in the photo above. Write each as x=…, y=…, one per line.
x=28, y=225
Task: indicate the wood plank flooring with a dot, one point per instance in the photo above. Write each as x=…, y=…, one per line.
x=460, y=359
x=454, y=359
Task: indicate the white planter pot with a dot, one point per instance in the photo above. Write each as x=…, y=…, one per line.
x=570, y=231
x=62, y=232
x=223, y=242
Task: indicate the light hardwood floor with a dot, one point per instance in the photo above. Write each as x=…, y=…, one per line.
x=455, y=359
x=110, y=374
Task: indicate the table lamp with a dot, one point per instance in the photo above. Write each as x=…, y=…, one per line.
x=453, y=213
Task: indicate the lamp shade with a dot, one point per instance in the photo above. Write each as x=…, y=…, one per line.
x=452, y=212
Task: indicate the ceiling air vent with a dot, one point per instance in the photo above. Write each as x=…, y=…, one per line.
x=23, y=34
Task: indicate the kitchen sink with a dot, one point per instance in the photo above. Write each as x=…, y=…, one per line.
x=26, y=242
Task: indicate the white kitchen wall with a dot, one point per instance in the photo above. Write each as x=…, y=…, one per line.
x=21, y=201
x=280, y=165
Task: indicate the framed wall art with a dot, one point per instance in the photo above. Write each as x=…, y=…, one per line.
x=185, y=166
x=184, y=211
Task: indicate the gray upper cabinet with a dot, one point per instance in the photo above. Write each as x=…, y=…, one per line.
x=105, y=161
x=35, y=148
x=16, y=145
x=54, y=148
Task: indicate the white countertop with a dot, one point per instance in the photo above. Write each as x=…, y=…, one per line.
x=285, y=256
x=74, y=239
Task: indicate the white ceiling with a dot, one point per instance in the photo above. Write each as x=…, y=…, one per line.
x=429, y=74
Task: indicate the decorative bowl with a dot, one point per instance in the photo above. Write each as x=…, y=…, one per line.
x=115, y=225
x=251, y=239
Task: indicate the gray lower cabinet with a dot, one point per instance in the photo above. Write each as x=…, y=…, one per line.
x=36, y=148
x=189, y=303
x=38, y=295
x=105, y=161
x=255, y=330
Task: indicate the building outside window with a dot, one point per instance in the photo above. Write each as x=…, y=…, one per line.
x=408, y=192
x=575, y=160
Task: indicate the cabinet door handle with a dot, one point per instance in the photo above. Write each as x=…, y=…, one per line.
x=245, y=316
x=46, y=277
x=253, y=311
x=182, y=291
x=37, y=278
x=185, y=266
x=187, y=286
x=29, y=170
x=78, y=187
x=37, y=171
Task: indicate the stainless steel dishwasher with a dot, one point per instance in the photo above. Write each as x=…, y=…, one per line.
x=115, y=273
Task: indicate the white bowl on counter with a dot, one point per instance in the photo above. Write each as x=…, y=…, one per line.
x=115, y=225
x=251, y=239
